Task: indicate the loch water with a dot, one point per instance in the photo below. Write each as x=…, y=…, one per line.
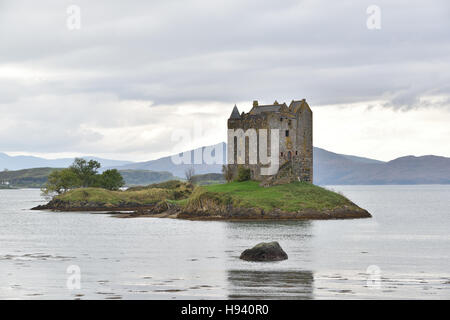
x=403, y=252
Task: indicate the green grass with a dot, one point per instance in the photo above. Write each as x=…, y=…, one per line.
x=208, y=178
x=287, y=197
x=171, y=184
x=102, y=196
x=145, y=177
x=291, y=197
x=181, y=202
x=142, y=196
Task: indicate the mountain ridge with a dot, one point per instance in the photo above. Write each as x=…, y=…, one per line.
x=27, y=162
x=334, y=168
x=329, y=167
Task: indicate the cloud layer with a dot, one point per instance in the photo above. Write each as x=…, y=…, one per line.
x=134, y=71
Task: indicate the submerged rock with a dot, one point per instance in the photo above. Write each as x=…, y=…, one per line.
x=264, y=251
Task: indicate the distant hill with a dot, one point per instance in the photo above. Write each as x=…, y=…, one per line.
x=355, y=158
x=166, y=164
x=26, y=178
x=36, y=177
x=329, y=168
x=145, y=177
x=27, y=162
x=333, y=168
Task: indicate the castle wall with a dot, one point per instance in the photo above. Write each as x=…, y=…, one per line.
x=248, y=122
x=305, y=144
x=295, y=150
x=289, y=143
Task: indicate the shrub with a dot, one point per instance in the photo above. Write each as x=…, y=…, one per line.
x=189, y=173
x=227, y=173
x=244, y=174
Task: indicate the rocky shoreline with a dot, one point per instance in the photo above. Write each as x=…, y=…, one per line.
x=58, y=205
x=207, y=212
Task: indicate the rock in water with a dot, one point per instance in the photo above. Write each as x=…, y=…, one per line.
x=264, y=251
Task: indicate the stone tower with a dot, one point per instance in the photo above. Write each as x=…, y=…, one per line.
x=295, y=148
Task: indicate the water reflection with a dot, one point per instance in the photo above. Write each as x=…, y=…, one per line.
x=250, y=284
x=270, y=223
x=269, y=230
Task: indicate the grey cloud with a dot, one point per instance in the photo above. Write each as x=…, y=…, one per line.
x=167, y=52
x=203, y=50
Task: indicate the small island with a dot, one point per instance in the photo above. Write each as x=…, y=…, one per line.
x=245, y=200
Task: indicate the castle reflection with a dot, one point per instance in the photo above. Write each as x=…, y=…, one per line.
x=251, y=284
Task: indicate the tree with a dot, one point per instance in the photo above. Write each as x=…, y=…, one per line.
x=82, y=174
x=189, y=173
x=111, y=180
x=60, y=181
x=86, y=171
x=227, y=173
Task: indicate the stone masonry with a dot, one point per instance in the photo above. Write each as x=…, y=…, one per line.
x=295, y=152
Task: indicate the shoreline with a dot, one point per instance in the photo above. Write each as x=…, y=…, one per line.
x=235, y=201
x=233, y=214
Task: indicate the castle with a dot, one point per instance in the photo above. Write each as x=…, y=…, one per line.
x=294, y=135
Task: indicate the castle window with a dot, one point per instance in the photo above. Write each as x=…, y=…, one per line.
x=296, y=153
x=281, y=153
x=281, y=119
x=235, y=157
x=287, y=133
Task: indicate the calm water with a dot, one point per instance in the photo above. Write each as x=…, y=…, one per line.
x=403, y=252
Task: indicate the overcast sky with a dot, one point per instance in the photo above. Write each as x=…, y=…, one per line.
x=135, y=71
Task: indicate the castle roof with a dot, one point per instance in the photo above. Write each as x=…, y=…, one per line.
x=235, y=113
x=267, y=108
x=295, y=106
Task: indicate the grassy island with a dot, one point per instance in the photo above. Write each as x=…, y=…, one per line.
x=249, y=200
x=287, y=197
x=230, y=201
x=134, y=198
